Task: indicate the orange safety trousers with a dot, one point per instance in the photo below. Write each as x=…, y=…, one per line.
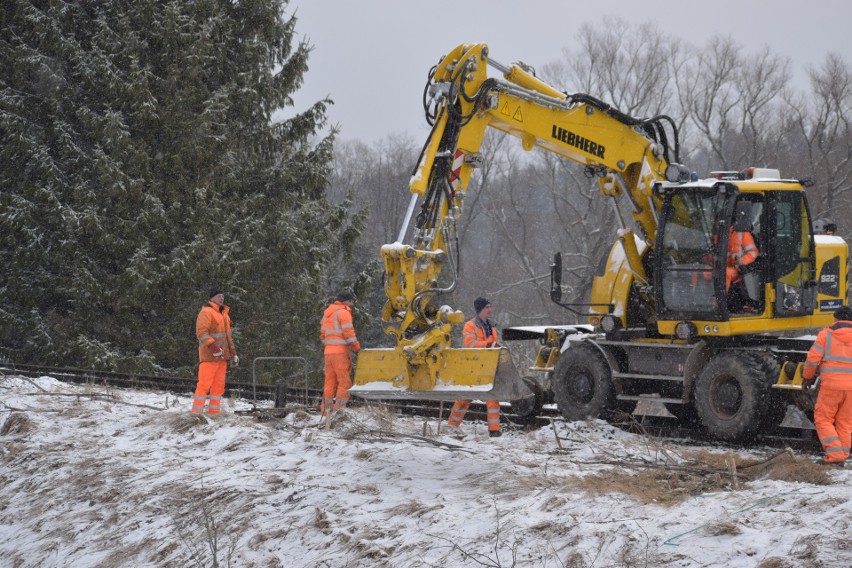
x=335, y=392
x=833, y=421
x=211, y=386
x=461, y=406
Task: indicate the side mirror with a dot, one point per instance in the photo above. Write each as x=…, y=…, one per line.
x=556, y=278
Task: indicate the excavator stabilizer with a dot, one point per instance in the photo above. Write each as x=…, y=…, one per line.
x=382, y=374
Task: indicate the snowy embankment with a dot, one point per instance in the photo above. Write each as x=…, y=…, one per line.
x=93, y=476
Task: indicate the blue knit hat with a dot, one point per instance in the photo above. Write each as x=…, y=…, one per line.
x=479, y=304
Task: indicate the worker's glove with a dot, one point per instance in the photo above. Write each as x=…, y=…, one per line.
x=216, y=351
x=235, y=360
x=807, y=384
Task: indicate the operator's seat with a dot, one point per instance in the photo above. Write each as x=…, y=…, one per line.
x=749, y=288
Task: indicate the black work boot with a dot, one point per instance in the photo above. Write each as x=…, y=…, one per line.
x=495, y=433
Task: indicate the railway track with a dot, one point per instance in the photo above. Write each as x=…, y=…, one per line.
x=654, y=426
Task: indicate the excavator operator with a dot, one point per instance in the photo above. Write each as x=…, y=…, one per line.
x=742, y=252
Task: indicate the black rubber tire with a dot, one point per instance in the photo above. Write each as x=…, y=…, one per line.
x=582, y=384
x=734, y=397
x=527, y=410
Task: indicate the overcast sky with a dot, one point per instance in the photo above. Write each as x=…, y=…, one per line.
x=372, y=56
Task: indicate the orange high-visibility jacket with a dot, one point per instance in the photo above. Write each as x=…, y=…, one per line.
x=213, y=325
x=831, y=353
x=473, y=334
x=336, y=330
x=741, y=248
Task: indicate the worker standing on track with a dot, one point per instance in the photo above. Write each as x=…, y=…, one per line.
x=479, y=332
x=215, y=349
x=831, y=354
x=338, y=336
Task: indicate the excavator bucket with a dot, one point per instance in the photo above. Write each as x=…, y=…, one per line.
x=382, y=374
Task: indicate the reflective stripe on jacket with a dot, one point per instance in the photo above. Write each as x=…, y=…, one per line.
x=741, y=248
x=831, y=353
x=473, y=334
x=213, y=325
x=741, y=252
x=336, y=330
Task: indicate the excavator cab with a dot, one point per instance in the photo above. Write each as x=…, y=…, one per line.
x=733, y=249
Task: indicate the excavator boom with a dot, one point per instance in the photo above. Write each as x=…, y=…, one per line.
x=627, y=155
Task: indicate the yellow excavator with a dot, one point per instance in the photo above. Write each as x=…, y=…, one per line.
x=676, y=313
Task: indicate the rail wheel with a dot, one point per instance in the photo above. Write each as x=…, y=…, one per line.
x=527, y=410
x=685, y=414
x=733, y=395
x=582, y=384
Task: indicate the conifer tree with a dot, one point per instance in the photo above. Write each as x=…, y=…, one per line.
x=141, y=163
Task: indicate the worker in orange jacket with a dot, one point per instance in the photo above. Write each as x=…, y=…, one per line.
x=338, y=337
x=215, y=350
x=741, y=252
x=479, y=332
x=831, y=355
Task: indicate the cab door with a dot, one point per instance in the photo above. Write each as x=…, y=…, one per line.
x=689, y=276
x=792, y=254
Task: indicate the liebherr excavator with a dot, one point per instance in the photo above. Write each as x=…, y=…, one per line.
x=668, y=319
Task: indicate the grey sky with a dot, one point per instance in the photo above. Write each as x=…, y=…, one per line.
x=372, y=56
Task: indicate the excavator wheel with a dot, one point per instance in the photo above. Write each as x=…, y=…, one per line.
x=582, y=384
x=527, y=410
x=734, y=397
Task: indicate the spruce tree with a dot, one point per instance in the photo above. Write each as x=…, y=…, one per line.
x=141, y=164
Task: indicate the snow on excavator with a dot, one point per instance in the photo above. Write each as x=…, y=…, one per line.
x=689, y=306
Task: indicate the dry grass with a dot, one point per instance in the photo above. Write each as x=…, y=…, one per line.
x=721, y=528
x=806, y=548
x=363, y=455
x=321, y=520
x=785, y=466
x=413, y=508
x=17, y=423
x=382, y=414
x=183, y=422
x=650, y=486
x=367, y=489
x=700, y=472
x=256, y=541
x=775, y=562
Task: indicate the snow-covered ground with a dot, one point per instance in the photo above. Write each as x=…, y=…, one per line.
x=100, y=477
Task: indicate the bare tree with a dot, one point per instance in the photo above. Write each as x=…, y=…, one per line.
x=762, y=79
x=620, y=64
x=732, y=101
x=376, y=177
x=820, y=122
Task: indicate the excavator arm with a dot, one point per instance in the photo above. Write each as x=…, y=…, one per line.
x=625, y=154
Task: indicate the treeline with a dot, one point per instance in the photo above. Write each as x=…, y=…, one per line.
x=733, y=108
x=140, y=165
